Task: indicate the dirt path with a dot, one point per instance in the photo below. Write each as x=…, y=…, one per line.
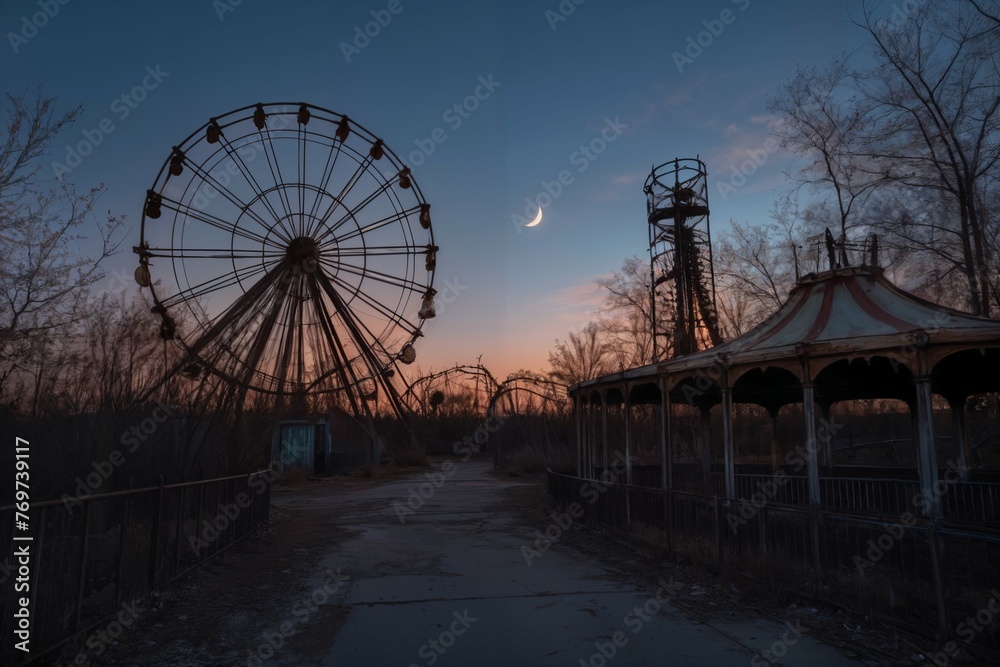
x=433, y=569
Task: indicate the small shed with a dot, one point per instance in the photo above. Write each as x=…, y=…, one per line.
x=333, y=443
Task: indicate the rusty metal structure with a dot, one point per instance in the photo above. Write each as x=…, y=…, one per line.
x=682, y=277
x=289, y=252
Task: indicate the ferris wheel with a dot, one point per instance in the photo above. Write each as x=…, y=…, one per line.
x=289, y=251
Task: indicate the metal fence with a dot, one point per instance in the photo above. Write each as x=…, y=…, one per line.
x=93, y=557
x=928, y=576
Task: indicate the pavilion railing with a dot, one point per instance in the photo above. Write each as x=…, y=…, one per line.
x=927, y=575
x=94, y=557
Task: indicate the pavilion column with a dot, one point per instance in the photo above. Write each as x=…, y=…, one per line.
x=628, y=437
x=961, y=442
x=666, y=453
x=727, y=441
x=604, y=428
x=812, y=464
x=926, y=450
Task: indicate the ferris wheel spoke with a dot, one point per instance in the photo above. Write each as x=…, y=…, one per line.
x=365, y=202
x=300, y=167
x=373, y=226
x=248, y=303
x=210, y=253
x=248, y=176
x=300, y=378
x=374, y=338
x=216, y=222
x=360, y=171
x=205, y=288
x=232, y=197
x=286, y=342
x=348, y=319
x=324, y=358
x=381, y=251
x=355, y=177
x=274, y=166
x=405, y=283
x=388, y=313
x=344, y=367
x=324, y=182
x=263, y=336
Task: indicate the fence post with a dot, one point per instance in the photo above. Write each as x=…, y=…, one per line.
x=154, y=538
x=179, y=542
x=815, y=518
x=932, y=534
x=719, y=555
x=762, y=523
x=121, y=551
x=669, y=494
x=82, y=572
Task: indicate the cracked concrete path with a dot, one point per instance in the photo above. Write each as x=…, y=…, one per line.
x=448, y=585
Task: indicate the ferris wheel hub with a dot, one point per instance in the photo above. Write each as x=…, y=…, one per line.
x=303, y=253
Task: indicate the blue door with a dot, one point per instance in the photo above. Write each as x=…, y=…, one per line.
x=297, y=443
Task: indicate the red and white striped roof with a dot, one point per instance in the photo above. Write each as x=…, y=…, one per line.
x=848, y=309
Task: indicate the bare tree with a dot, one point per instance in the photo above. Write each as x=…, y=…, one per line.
x=44, y=226
x=625, y=317
x=756, y=266
x=582, y=356
x=934, y=93
x=817, y=118
x=907, y=143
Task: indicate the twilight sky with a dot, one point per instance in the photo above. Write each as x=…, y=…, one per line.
x=596, y=96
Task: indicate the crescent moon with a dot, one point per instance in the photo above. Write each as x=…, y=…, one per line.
x=538, y=219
